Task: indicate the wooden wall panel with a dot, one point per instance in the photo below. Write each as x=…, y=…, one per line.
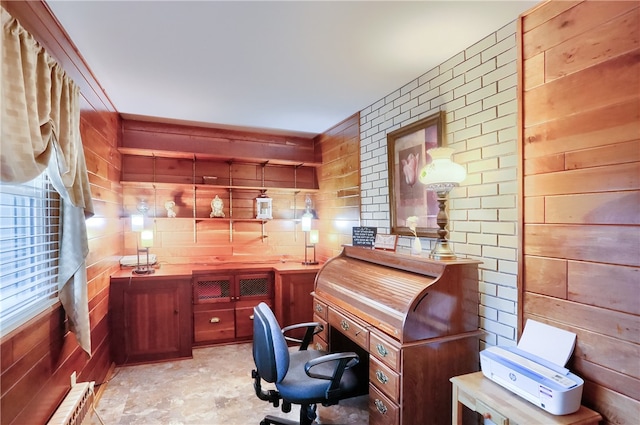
x=599, y=127
x=215, y=142
x=39, y=357
x=338, y=201
x=580, y=235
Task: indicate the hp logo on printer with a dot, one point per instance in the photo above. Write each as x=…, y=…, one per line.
x=513, y=376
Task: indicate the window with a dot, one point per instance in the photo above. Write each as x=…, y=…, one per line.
x=29, y=248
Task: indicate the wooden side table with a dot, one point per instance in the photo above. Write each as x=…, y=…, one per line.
x=506, y=408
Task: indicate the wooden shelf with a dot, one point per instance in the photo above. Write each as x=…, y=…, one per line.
x=167, y=185
x=202, y=156
x=231, y=219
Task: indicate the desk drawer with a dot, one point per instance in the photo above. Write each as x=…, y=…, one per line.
x=325, y=332
x=384, y=351
x=489, y=413
x=352, y=329
x=385, y=379
x=320, y=309
x=382, y=411
x=213, y=325
x=320, y=344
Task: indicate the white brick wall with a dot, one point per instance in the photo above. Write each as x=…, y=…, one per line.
x=476, y=89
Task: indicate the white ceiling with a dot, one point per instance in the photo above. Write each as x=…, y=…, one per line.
x=297, y=66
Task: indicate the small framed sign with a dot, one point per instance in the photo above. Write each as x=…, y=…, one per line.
x=364, y=236
x=386, y=242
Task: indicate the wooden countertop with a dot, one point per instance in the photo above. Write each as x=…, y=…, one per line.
x=187, y=270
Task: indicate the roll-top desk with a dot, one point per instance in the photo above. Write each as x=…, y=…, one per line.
x=416, y=318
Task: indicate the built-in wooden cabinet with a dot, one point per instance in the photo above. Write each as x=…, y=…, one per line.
x=163, y=315
x=293, y=303
x=223, y=304
x=150, y=318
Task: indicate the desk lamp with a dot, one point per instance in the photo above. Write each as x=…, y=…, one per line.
x=310, y=236
x=441, y=175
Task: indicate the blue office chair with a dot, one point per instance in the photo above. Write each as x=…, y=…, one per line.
x=304, y=377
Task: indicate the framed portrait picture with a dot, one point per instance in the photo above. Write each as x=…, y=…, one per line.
x=407, y=152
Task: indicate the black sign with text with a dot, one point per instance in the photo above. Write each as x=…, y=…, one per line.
x=364, y=236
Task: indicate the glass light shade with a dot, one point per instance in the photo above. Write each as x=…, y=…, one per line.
x=137, y=222
x=442, y=174
x=314, y=236
x=305, y=222
x=146, y=238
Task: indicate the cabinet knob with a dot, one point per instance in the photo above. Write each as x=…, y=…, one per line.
x=214, y=320
x=381, y=350
x=251, y=317
x=380, y=406
x=382, y=378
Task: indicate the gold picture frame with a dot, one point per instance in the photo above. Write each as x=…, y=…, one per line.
x=407, y=154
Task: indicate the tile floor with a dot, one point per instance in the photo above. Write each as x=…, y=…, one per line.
x=213, y=388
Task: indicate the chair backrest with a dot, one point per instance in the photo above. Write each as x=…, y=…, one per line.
x=270, y=350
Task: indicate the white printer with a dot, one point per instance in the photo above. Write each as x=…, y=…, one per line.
x=535, y=370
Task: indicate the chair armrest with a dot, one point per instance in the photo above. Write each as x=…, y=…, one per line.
x=312, y=328
x=344, y=361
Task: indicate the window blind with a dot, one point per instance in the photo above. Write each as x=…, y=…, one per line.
x=29, y=248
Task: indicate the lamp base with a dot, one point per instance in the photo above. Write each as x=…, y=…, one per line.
x=442, y=251
x=309, y=263
x=144, y=270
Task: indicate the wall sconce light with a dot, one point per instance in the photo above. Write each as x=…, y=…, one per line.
x=146, y=241
x=311, y=237
x=440, y=176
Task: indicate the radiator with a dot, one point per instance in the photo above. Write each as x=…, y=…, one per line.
x=75, y=406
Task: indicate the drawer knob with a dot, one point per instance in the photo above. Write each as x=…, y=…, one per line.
x=381, y=377
x=380, y=406
x=251, y=317
x=381, y=350
x=344, y=325
x=214, y=320
x=319, y=308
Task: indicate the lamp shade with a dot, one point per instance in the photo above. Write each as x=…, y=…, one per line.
x=442, y=174
x=146, y=238
x=137, y=222
x=305, y=222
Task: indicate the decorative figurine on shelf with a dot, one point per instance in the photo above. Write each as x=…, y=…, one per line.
x=416, y=245
x=169, y=205
x=216, y=207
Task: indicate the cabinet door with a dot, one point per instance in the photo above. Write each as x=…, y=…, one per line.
x=157, y=320
x=293, y=301
x=213, y=288
x=244, y=318
x=254, y=286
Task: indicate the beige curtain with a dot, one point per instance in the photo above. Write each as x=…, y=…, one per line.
x=40, y=129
